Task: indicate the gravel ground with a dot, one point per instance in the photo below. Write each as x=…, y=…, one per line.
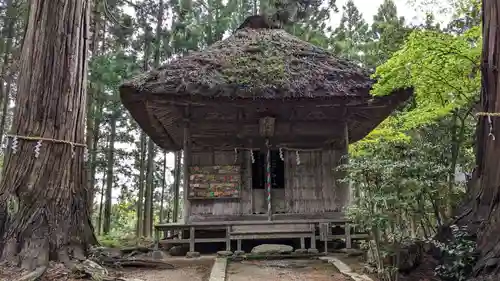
x=186, y=270
x=283, y=270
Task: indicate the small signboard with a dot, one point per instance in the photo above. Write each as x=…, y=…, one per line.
x=214, y=182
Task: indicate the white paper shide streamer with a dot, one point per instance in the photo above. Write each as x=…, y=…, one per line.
x=14, y=145
x=38, y=146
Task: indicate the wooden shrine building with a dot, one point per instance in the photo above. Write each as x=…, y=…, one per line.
x=263, y=120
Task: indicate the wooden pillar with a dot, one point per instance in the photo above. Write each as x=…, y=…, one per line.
x=187, y=163
x=348, y=238
x=348, y=184
x=238, y=245
x=192, y=239
x=228, y=238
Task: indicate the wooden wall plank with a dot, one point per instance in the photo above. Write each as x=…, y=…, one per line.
x=215, y=206
x=312, y=186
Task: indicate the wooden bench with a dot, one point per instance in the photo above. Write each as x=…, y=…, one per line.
x=247, y=230
x=270, y=231
x=192, y=239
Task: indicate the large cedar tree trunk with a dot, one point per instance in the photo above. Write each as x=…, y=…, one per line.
x=487, y=192
x=51, y=192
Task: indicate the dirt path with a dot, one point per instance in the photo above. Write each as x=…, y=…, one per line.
x=186, y=269
x=283, y=270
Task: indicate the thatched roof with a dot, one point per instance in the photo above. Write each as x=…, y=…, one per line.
x=253, y=66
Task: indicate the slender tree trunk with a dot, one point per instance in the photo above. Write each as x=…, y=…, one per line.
x=109, y=174
x=177, y=184
x=53, y=219
x=95, y=136
x=163, y=186
x=8, y=42
x=141, y=213
x=488, y=154
x=148, y=197
x=140, y=195
x=101, y=205
x=5, y=107
x=92, y=99
x=148, y=194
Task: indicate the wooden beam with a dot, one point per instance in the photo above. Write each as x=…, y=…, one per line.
x=156, y=120
x=289, y=141
x=197, y=101
x=255, y=121
x=267, y=126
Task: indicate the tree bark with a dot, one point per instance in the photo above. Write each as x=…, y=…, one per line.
x=5, y=106
x=177, y=184
x=110, y=159
x=488, y=148
x=148, y=194
x=92, y=104
x=101, y=205
x=163, y=186
x=140, y=195
x=52, y=219
x=6, y=48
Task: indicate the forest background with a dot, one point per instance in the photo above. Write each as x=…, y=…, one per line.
x=404, y=174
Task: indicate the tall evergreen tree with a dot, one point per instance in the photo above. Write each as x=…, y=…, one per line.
x=51, y=219
x=387, y=34
x=350, y=37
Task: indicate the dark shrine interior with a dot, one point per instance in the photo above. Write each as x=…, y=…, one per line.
x=259, y=170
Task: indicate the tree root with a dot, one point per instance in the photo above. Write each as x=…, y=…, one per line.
x=133, y=251
x=142, y=249
x=116, y=262
x=34, y=275
x=69, y=262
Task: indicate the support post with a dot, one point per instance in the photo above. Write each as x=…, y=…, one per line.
x=228, y=238
x=156, y=239
x=191, y=238
x=346, y=161
x=348, y=238
x=313, y=238
x=187, y=163
x=238, y=245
